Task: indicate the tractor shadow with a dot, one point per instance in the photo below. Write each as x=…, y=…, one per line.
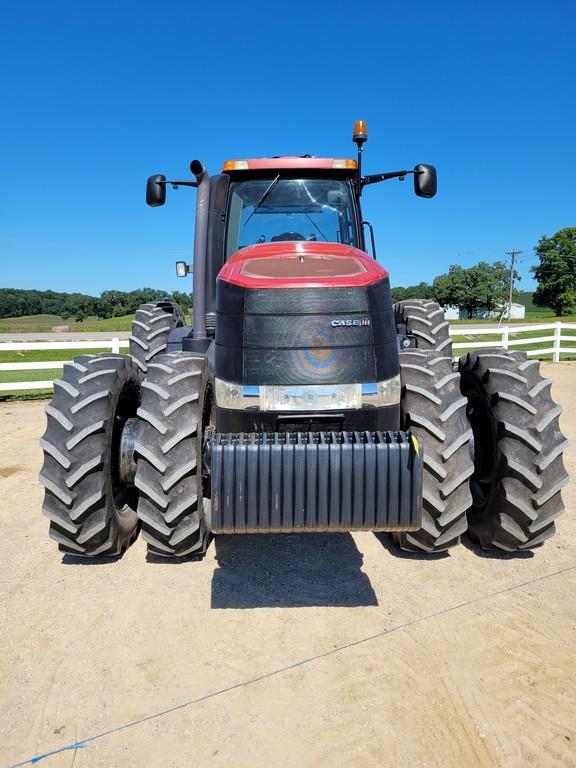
x=289, y=571
x=68, y=559
x=387, y=542
x=494, y=554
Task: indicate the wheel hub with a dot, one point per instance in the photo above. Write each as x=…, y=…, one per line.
x=127, y=448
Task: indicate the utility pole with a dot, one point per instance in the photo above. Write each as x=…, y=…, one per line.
x=513, y=253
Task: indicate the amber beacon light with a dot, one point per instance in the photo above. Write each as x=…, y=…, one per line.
x=360, y=134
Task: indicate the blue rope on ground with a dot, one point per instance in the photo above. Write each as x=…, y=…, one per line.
x=83, y=743
x=74, y=747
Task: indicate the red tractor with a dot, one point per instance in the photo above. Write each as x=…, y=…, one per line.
x=301, y=398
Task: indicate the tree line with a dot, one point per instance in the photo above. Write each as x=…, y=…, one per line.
x=485, y=286
x=556, y=272
x=16, y=302
x=481, y=287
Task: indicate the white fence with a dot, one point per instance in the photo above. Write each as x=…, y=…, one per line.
x=113, y=344
x=554, y=343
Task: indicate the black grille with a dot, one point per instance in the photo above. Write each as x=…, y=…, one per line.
x=267, y=301
x=285, y=335
x=294, y=331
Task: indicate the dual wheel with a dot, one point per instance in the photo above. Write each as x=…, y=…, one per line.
x=123, y=446
x=492, y=449
x=492, y=441
x=124, y=452
x=151, y=328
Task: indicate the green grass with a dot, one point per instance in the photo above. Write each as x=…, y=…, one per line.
x=525, y=297
x=40, y=355
x=40, y=375
x=26, y=320
x=45, y=323
x=123, y=323
x=547, y=316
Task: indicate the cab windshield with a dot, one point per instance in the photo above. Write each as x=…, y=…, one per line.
x=279, y=209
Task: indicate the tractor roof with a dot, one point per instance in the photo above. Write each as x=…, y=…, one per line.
x=290, y=162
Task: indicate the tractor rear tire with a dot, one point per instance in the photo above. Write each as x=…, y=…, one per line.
x=151, y=328
x=424, y=319
x=91, y=511
x=434, y=410
x=169, y=450
x=519, y=471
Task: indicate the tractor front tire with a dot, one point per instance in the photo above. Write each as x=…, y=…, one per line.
x=151, y=327
x=519, y=471
x=424, y=320
x=169, y=450
x=91, y=511
x=434, y=410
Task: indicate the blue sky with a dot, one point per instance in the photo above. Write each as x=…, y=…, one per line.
x=97, y=96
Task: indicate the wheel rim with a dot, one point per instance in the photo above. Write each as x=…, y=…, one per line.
x=123, y=492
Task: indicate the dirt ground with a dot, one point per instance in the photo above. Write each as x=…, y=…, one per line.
x=317, y=650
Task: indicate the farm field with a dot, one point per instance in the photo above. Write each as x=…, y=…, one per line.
x=45, y=323
x=312, y=650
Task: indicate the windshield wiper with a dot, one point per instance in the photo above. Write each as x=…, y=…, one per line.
x=262, y=199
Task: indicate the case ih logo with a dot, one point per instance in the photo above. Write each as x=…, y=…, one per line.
x=349, y=323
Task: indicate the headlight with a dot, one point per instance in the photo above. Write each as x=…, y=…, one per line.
x=383, y=392
x=235, y=395
x=314, y=397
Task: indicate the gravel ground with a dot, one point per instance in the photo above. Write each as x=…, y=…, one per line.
x=312, y=650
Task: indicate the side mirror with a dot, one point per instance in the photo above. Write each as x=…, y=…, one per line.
x=425, y=180
x=156, y=190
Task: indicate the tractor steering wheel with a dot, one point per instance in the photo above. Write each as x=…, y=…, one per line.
x=287, y=236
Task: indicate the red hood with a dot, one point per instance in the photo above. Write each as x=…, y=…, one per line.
x=301, y=264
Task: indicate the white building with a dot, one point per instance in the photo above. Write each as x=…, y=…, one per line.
x=451, y=313
x=518, y=312
x=457, y=313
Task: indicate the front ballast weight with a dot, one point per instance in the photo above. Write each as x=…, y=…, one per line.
x=294, y=482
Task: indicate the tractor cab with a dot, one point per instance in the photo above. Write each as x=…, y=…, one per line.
x=277, y=204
